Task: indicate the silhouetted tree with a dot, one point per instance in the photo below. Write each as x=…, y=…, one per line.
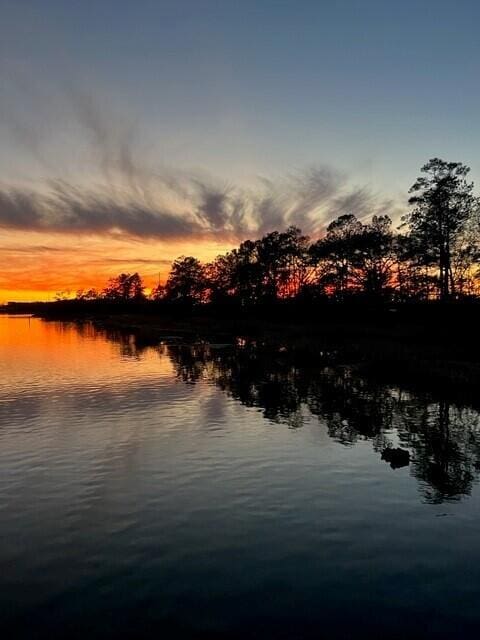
x=87, y=294
x=337, y=252
x=414, y=280
x=125, y=287
x=220, y=276
x=238, y=274
x=187, y=281
x=374, y=257
x=281, y=258
x=61, y=296
x=275, y=266
x=158, y=292
x=294, y=269
x=437, y=254
x=442, y=206
x=466, y=255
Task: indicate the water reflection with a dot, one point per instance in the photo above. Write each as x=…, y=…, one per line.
x=442, y=439
x=231, y=489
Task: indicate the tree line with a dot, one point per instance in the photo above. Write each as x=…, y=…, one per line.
x=434, y=254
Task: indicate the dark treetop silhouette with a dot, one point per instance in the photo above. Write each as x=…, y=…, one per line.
x=436, y=255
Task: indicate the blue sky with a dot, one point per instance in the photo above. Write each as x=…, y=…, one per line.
x=134, y=132
x=264, y=87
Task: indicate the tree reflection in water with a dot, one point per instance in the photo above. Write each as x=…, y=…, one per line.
x=443, y=438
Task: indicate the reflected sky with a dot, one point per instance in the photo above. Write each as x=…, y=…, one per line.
x=218, y=490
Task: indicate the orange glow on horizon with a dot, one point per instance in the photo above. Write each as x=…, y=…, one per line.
x=36, y=266
x=42, y=341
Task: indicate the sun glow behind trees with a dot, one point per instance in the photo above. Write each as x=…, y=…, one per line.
x=434, y=254
x=437, y=255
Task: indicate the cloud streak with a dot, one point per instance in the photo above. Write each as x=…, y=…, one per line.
x=198, y=209
x=134, y=200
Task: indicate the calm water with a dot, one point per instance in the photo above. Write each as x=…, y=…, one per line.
x=214, y=491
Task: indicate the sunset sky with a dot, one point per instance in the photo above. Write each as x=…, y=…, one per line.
x=134, y=132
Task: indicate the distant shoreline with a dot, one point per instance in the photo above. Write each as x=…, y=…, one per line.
x=429, y=346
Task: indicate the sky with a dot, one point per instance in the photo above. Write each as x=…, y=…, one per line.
x=134, y=132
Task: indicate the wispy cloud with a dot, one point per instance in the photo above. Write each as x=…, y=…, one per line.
x=309, y=200
x=130, y=198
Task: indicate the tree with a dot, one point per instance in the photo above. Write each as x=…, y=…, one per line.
x=275, y=266
x=242, y=274
x=87, y=295
x=61, y=296
x=158, y=292
x=125, y=287
x=220, y=276
x=374, y=257
x=466, y=256
x=187, y=281
x=442, y=206
x=285, y=262
x=337, y=251
x=414, y=280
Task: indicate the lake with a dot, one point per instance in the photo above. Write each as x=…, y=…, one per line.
x=213, y=490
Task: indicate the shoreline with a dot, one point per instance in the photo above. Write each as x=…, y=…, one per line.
x=431, y=349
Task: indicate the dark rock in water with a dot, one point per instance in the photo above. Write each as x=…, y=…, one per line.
x=396, y=457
